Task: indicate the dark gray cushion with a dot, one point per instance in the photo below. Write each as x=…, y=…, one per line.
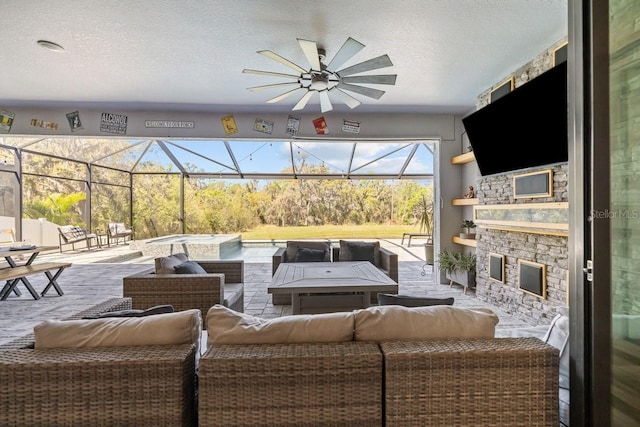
x=309, y=255
x=410, y=301
x=294, y=245
x=189, y=267
x=359, y=251
x=158, y=309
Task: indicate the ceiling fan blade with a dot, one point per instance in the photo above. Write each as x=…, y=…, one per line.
x=372, y=64
x=269, y=73
x=283, y=61
x=346, y=52
x=325, y=102
x=344, y=97
x=383, y=79
x=303, y=101
x=310, y=50
x=284, y=95
x=362, y=90
x=271, y=86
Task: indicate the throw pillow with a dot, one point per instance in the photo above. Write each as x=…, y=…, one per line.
x=189, y=267
x=359, y=251
x=158, y=309
x=411, y=301
x=164, y=265
x=309, y=255
x=181, y=327
x=226, y=326
x=293, y=245
x=394, y=322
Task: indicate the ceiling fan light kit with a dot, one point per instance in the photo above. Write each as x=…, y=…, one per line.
x=329, y=82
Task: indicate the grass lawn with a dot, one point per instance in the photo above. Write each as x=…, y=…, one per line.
x=367, y=231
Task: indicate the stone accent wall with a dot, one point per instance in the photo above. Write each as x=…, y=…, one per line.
x=552, y=251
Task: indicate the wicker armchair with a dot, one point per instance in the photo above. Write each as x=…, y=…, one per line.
x=223, y=284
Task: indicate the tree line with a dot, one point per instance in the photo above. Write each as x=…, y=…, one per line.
x=210, y=205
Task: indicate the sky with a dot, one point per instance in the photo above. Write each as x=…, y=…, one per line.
x=275, y=156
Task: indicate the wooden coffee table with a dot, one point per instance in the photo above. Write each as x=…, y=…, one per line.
x=317, y=287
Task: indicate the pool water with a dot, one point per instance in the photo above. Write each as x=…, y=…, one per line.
x=251, y=251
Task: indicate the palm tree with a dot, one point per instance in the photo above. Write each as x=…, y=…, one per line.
x=57, y=208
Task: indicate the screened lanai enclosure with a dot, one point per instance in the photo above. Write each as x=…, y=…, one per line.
x=164, y=186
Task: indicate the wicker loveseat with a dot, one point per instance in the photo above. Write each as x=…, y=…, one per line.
x=147, y=385
x=384, y=259
x=223, y=283
x=330, y=377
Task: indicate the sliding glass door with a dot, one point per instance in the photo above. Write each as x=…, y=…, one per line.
x=624, y=105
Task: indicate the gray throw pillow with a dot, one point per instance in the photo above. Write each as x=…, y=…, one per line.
x=294, y=245
x=410, y=301
x=309, y=255
x=189, y=267
x=359, y=251
x=157, y=309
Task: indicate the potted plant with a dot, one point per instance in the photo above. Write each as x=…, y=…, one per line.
x=467, y=227
x=458, y=267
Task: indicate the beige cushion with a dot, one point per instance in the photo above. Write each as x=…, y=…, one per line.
x=293, y=245
x=394, y=322
x=165, y=264
x=181, y=327
x=226, y=326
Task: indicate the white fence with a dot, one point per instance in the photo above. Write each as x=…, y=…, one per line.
x=34, y=231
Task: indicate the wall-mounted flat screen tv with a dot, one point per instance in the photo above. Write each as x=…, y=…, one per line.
x=523, y=129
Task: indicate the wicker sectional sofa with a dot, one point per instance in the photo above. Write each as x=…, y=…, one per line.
x=337, y=375
x=132, y=385
x=456, y=381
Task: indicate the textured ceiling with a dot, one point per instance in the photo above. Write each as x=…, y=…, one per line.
x=189, y=55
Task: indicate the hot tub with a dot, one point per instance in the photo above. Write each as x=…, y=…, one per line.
x=196, y=246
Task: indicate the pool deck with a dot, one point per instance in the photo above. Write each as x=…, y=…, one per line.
x=96, y=276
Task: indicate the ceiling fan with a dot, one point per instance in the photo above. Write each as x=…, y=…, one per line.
x=328, y=81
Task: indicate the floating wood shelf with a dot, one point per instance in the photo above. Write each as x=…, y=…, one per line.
x=465, y=242
x=463, y=158
x=464, y=202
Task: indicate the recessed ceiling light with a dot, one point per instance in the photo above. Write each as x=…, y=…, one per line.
x=46, y=44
